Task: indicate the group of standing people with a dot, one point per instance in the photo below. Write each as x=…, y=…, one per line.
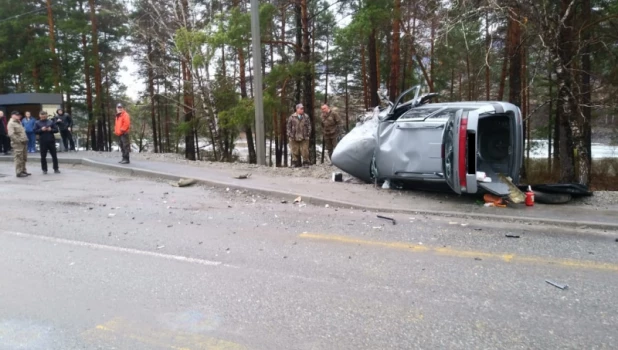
x=22, y=133
x=299, y=133
x=63, y=121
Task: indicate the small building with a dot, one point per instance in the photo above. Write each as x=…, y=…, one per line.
x=32, y=102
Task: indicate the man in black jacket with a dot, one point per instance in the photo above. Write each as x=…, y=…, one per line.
x=65, y=125
x=46, y=129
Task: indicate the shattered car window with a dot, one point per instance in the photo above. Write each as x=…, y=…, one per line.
x=419, y=113
x=449, y=112
x=433, y=113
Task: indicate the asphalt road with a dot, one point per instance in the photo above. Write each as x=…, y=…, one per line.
x=92, y=260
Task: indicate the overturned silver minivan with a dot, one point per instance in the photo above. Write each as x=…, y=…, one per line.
x=465, y=144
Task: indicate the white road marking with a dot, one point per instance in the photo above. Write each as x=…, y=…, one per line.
x=113, y=248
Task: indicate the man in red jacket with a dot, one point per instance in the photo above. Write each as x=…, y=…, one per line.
x=121, y=129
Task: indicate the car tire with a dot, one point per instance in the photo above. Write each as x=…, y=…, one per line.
x=552, y=198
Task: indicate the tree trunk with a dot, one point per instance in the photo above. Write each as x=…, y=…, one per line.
x=404, y=72
x=586, y=88
x=299, y=43
x=557, y=137
x=52, y=47
x=364, y=74
x=97, y=78
x=571, y=137
x=373, y=71
x=505, y=63
x=188, y=110
x=308, y=77
x=91, y=134
x=326, y=80
x=515, y=58
x=159, y=126
x=313, y=84
x=452, y=83
x=347, y=105
x=395, y=52
x=460, y=86
x=167, y=130
x=469, y=75
x=188, y=93
x=243, y=94
x=150, y=70
x=488, y=50
x=549, y=119
x=431, y=56
x=524, y=104
x=108, y=122
x=515, y=73
x=281, y=154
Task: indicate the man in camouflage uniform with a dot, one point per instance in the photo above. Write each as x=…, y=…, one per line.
x=299, y=131
x=331, y=129
x=18, y=136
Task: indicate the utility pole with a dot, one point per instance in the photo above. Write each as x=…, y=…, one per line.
x=260, y=140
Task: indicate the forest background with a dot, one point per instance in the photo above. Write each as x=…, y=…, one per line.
x=556, y=60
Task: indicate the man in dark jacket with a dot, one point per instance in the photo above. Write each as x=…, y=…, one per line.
x=46, y=129
x=65, y=125
x=5, y=142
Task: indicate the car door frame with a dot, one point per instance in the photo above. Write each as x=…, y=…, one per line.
x=455, y=157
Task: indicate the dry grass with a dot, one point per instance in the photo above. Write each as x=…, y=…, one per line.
x=604, y=173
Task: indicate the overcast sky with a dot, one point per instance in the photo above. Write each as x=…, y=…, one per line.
x=135, y=84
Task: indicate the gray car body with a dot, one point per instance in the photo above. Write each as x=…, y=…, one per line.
x=415, y=141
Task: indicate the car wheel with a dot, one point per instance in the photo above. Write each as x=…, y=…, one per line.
x=551, y=198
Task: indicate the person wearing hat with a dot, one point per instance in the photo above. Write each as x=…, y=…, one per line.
x=65, y=124
x=299, y=132
x=46, y=129
x=18, y=136
x=121, y=129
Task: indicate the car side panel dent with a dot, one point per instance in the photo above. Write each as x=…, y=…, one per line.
x=406, y=149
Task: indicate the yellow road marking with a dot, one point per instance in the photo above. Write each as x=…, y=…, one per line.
x=119, y=328
x=506, y=257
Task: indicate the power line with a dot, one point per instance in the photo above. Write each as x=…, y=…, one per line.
x=24, y=14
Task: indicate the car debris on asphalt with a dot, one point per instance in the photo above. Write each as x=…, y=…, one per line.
x=184, y=182
x=511, y=236
x=561, y=286
x=337, y=177
x=243, y=176
x=387, y=218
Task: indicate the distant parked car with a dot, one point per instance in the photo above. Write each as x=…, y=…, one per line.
x=452, y=142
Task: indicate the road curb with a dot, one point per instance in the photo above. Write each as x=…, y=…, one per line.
x=336, y=203
x=309, y=199
x=71, y=161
